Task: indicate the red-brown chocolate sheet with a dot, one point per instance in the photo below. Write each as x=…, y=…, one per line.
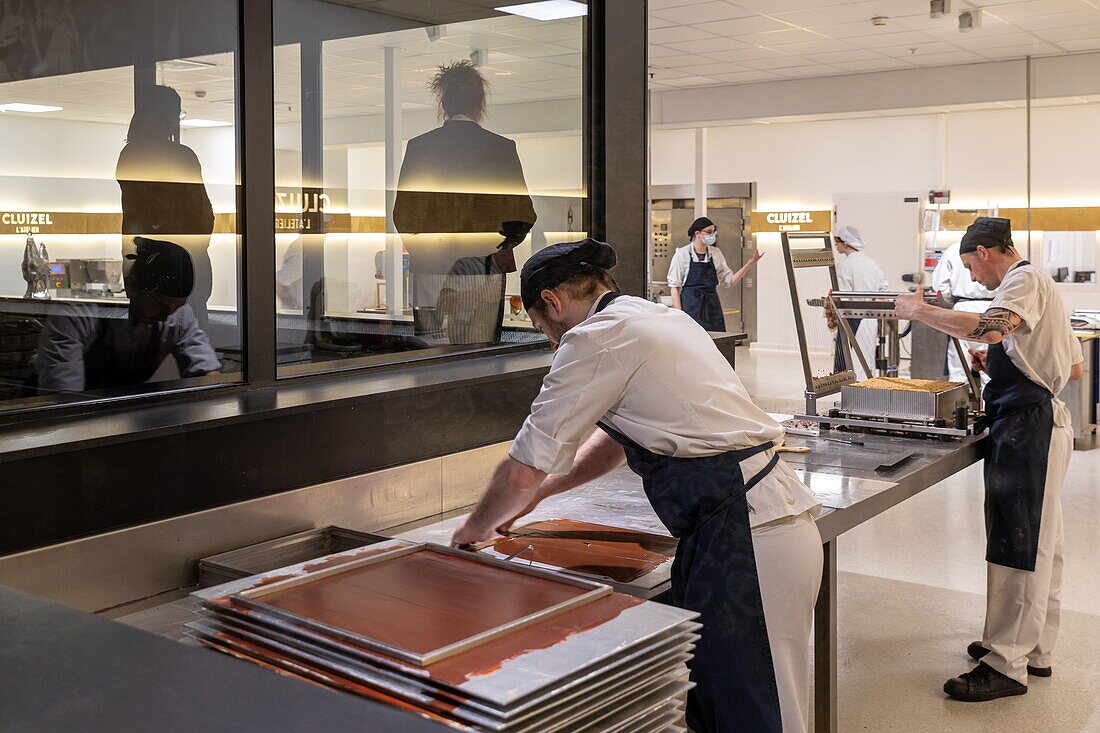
x=422, y=601
x=620, y=554
x=488, y=657
x=298, y=669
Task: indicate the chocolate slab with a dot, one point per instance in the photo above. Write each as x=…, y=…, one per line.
x=421, y=603
x=620, y=555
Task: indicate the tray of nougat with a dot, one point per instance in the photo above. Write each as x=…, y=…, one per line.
x=908, y=385
x=896, y=398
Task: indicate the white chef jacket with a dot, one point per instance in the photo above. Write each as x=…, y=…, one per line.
x=653, y=374
x=858, y=272
x=681, y=263
x=1043, y=347
x=952, y=278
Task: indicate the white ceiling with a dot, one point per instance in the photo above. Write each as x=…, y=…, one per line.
x=695, y=43
x=529, y=60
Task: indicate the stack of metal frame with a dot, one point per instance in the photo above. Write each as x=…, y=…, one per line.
x=468, y=640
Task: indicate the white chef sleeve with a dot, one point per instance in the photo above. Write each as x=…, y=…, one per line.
x=1019, y=293
x=845, y=278
x=721, y=267
x=941, y=276
x=584, y=382
x=677, y=269
x=1078, y=352
x=290, y=270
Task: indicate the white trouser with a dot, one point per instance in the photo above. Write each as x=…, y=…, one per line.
x=788, y=563
x=867, y=340
x=1023, y=607
x=957, y=370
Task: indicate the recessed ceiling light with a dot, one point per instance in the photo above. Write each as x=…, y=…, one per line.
x=185, y=64
x=195, y=122
x=547, y=9
x=24, y=107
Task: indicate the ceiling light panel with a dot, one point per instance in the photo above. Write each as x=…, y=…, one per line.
x=29, y=108
x=547, y=10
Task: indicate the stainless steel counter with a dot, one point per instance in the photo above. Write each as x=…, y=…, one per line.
x=850, y=480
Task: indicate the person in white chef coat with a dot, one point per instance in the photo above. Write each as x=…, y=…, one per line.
x=667, y=403
x=856, y=271
x=1031, y=355
x=952, y=279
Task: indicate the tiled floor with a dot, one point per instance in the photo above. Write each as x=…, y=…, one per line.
x=912, y=586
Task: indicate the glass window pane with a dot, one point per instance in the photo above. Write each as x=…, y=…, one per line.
x=117, y=210
x=420, y=160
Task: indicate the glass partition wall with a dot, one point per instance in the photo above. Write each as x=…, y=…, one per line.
x=419, y=161
x=421, y=152
x=118, y=238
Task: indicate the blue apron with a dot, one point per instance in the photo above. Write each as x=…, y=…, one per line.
x=699, y=296
x=839, y=364
x=702, y=502
x=1021, y=420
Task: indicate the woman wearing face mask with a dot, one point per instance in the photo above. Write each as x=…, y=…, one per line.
x=695, y=271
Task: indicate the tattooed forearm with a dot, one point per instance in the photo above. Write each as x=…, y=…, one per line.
x=995, y=320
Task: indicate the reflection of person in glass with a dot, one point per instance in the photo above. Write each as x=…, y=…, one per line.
x=460, y=184
x=80, y=351
x=162, y=189
x=36, y=270
x=472, y=299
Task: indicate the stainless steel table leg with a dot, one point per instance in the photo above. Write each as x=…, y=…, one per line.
x=825, y=682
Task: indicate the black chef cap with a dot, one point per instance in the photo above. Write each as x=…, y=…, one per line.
x=987, y=231
x=553, y=265
x=701, y=223
x=161, y=267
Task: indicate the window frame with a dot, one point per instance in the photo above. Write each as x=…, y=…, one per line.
x=604, y=29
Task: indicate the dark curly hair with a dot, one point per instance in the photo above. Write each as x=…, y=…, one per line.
x=460, y=89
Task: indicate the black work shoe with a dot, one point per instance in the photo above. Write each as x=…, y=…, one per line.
x=977, y=651
x=981, y=684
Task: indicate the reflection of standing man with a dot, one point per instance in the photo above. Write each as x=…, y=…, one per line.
x=162, y=190
x=953, y=280
x=460, y=184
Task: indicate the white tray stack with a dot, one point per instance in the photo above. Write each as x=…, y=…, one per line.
x=600, y=661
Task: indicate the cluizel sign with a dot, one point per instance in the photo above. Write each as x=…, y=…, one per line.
x=790, y=221
x=25, y=222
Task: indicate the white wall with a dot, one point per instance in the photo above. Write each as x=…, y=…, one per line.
x=979, y=155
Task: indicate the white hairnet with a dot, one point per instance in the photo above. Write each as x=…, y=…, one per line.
x=850, y=236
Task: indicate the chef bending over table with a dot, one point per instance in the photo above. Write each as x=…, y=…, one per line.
x=667, y=403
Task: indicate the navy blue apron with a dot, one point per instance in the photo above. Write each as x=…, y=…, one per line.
x=1021, y=420
x=699, y=296
x=839, y=364
x=702, y=502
